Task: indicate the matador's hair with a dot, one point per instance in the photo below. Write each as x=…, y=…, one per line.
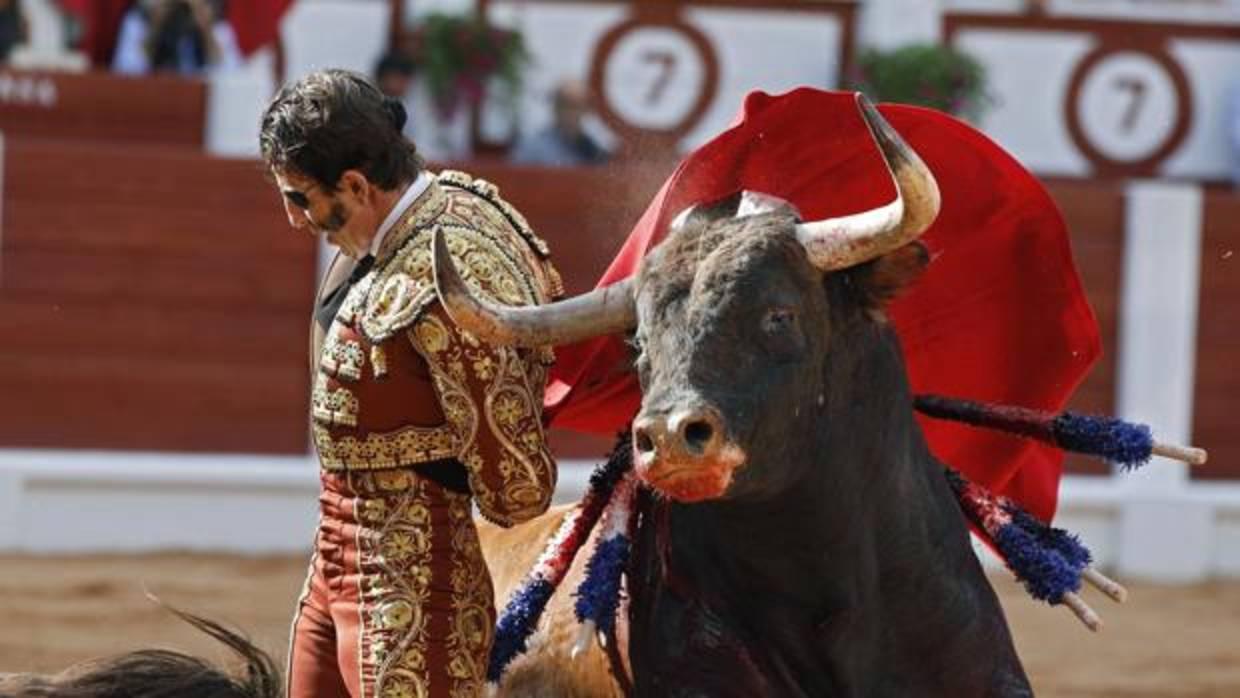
x=336, y=120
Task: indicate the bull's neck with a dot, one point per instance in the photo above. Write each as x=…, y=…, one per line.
x=814, y=592
x=812, y=553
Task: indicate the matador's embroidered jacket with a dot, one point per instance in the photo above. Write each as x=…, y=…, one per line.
x=399, y=601
x=398, y=384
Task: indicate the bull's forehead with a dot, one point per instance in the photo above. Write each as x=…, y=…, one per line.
x=709, y=260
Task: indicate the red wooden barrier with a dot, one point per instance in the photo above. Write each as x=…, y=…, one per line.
x=153, y=110
x=150, y=299
x=155, y=299
x=1218, y=338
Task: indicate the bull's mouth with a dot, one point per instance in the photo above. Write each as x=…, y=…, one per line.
x=690, y=483
x=693, y=481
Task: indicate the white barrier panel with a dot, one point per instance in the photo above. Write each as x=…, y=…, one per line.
x=1207, y=12
x=84, y=501
x=235, y=103
x=1090, y=97
x=96, y=501
x=321, y=34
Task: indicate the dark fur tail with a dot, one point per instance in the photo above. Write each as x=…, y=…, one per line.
x=159, y=673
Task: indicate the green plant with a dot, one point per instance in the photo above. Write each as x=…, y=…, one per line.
x=458, y=55
x=929, y=75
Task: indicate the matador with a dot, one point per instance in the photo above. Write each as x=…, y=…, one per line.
x=415, y=421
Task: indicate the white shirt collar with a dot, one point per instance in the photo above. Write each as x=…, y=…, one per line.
x=411, y=194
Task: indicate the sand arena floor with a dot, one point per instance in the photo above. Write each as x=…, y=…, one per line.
x=1165, y=642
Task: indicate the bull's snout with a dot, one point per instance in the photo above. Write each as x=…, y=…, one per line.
x=685, y=453
x=683, y=436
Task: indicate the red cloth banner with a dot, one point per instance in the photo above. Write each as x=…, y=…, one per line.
x=101, y=23
x=256, y=22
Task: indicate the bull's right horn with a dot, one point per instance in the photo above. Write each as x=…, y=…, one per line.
x=602, y=311
x=838, y=243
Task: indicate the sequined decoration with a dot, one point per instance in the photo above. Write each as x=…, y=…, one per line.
x=378, y=360
x=333, y=406
x=341, y=357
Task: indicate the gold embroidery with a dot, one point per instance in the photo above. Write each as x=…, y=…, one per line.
x=354, y=301
x=396, y=615
x=378, y=361
x=470, y=636
x=432, y=335
x=394, y=558
x=485, y=238
x=490, y=193
x=424, y=211
x=337, y=406
x=406, y=446
x=343, y=359
x=512, y=411
x=405, y=286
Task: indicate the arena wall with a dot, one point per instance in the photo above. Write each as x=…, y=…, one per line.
x=152, y=381
x=153, y=308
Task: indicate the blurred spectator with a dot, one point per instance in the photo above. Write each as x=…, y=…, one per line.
x=13, y=28
x=564, y=142
x=394, y=77
x=394, y=74
x=187, y=37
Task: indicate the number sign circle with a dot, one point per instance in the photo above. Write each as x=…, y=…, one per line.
x=1128, y=109
x=653, y=76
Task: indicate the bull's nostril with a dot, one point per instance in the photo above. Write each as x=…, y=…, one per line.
x=642, y=440
x=698, y=434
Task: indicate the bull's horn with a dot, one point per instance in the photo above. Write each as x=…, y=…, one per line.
x=836, y=243
x=601, y=311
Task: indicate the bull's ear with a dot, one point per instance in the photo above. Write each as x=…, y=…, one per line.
x=884, y=278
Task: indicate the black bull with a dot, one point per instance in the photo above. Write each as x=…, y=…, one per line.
x=806, y=543
x=802, y=540
x=833, y=561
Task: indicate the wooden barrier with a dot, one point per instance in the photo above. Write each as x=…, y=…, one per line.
x=1217, y=380
x=156, y=110
x=150, y=299
x=1094, y=213
x=155, y=299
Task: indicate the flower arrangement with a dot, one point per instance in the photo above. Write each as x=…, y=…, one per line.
x=928, y=75
x=458, y=55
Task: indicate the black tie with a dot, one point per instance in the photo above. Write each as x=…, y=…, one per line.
x=330, y=305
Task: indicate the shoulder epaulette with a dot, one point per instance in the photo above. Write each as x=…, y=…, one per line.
x=490, y=192
x=401, y=290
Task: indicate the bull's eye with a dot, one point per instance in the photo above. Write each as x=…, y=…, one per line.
x=779, y=320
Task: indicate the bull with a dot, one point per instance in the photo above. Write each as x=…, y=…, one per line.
x=800, y=538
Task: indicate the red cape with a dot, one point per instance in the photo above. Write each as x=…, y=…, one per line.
x=998, y=316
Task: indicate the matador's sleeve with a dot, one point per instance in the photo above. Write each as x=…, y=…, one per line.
x=492, y=398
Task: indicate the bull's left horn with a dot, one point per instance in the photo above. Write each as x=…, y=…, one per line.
x=836, y=243
x=601, y=311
